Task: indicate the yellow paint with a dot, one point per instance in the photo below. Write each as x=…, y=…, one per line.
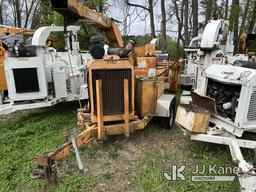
x=3, y=84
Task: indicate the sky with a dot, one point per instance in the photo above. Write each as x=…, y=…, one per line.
x=138, y=27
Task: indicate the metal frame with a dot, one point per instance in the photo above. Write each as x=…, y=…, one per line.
x=46, y=165
x=6, y=109
x=10, y=108
x=247, y=176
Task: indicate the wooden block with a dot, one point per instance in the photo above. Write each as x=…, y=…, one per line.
x=196, y=122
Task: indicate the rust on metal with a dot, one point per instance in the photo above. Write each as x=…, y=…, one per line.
x=203, y=103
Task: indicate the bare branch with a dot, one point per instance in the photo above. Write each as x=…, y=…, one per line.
x=136, y=5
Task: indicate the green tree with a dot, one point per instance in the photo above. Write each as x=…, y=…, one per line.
x=234, y=21
x=252, y=16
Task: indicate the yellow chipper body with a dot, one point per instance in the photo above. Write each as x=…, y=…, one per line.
x=112, y=91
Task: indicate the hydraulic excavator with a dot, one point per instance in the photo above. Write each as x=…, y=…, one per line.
x=120, y=103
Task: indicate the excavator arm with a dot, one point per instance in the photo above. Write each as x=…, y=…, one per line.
x=72, y=11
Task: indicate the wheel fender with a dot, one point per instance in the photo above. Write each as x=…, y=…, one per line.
x=163, y=105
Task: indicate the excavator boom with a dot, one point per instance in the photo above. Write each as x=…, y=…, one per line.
x=72, y=11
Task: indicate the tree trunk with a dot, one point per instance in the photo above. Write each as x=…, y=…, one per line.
x=182, y=22
x=179, y=17
x=28, y=11
x=208, y=12
x=234, y=21
x=1, y=12
x=195, y=17
x=226, y=10
x=151, y=15
x=162, y=42
x=36, y=14
x=150, y=10
x=18, y=12
x=125, y=11
x=252, y=19
x=186, y=36
x=244, y=18
x=163, y=22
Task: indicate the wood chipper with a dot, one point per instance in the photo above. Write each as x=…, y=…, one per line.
x=119, y=102
x=222, y=108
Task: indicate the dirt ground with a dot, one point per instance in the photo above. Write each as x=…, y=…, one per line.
x=123, y=158
x=137, y=163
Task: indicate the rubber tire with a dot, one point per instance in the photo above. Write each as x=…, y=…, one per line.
x=2, y=97
x=167, y=122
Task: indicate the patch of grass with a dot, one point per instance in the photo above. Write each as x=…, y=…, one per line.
x=149, y=176
x=91, y=149
x=22, y=138
x=107, y=175
x=74, y=183
x=114, y=149
x=117, y=164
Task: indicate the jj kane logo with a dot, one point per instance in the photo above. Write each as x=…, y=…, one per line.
x=177, y=172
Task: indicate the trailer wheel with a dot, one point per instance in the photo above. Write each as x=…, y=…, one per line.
x=1, y=97
x=167, y=122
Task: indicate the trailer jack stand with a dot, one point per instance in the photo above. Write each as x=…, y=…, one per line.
x=46, y=164
x=78, y=158
x=46, y=170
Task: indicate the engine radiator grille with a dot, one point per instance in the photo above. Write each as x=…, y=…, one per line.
x=112, y=89
x=26, y=80
x=251, y=115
